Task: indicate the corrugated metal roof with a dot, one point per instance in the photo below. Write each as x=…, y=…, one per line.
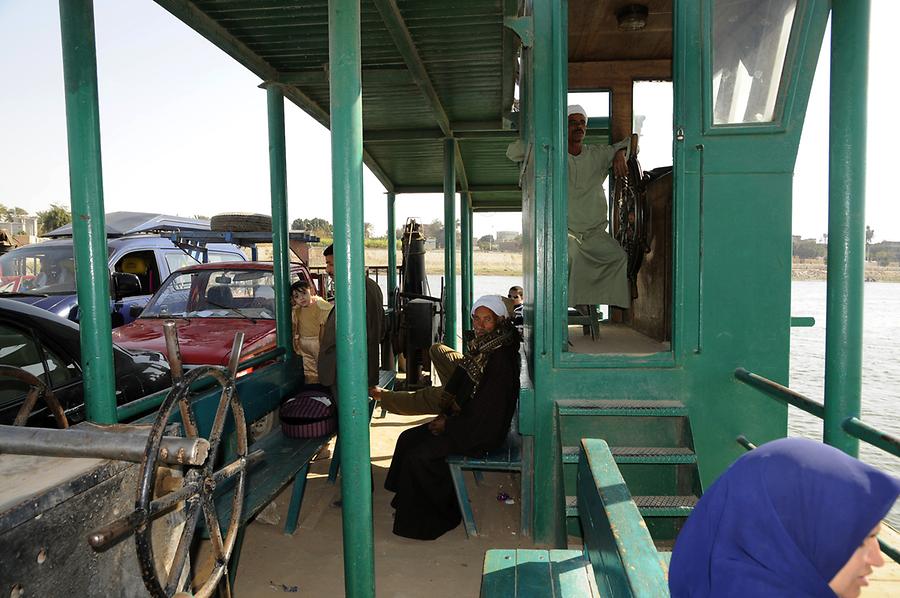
x=462, y=44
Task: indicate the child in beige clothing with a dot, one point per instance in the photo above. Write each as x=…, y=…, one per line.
x=308, y=315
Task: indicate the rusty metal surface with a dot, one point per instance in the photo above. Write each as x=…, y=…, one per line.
x=97, y=443
x=42, y=542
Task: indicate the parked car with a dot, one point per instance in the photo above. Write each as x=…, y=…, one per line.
x=210, y=303
x=48, y=347
x=43, y=274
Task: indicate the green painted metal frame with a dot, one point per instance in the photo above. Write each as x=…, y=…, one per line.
x=846, y=219
x=466, y=268
x=450, y=308
x=88, y=218
x=280, y=225
x=350, y=306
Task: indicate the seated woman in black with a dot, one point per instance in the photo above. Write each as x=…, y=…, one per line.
x=486, y=386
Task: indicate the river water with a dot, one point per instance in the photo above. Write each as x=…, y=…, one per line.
x=881, y=359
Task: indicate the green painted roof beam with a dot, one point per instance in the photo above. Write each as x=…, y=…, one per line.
x=374, y=75
x=396, y=26
x=508, y=67
x=473, y=189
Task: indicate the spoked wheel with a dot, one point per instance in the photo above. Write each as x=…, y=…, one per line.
x=196, y=492
x=632, y=218
x=198, y=488
x=37, y=390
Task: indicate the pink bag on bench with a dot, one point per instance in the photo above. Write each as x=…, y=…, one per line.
x=311, y=414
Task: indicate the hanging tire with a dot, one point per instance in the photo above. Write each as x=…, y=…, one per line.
x=241, y=222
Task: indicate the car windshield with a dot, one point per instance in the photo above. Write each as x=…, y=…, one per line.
x=231, y=293
x=38, y=269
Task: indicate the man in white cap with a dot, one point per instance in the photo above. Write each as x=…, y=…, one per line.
x=598, y=267
x=485, y=389
x=488, y=313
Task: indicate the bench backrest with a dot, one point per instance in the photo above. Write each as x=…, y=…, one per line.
x=616, y=539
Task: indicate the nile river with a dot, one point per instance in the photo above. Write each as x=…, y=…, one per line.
x=881, y=359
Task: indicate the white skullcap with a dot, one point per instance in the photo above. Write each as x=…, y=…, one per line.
x=576, y=109
x=493, y=303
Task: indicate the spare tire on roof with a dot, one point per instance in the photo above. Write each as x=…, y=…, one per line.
x=241, y=222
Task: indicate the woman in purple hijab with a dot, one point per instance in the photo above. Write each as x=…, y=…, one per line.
x=793, y=518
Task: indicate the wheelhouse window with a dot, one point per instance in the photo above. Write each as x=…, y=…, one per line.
x=749, y=46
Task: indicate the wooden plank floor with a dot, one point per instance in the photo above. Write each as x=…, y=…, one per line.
x=614, y=338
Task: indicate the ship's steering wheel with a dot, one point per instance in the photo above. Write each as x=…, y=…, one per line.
x=195, y=491
x=37, y=390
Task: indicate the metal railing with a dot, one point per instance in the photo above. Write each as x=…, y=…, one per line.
x=851, y=425
x=144, y=405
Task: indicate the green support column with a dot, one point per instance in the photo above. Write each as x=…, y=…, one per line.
x=846, y=223
x=88, y=220
x=392, y=248
x=350, y=317
x=547, y=92
x=450, y=242
x=465, y=223
x=280, y=245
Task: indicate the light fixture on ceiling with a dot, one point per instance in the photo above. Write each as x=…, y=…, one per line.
x=632, y=17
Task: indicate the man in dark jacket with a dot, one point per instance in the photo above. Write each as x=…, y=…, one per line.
x=374, y=332
x=485, y=384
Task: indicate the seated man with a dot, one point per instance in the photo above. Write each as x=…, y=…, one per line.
x=485, y=387
x=434, y=400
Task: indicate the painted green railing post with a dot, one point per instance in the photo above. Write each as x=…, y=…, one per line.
x=846, y=222
x=392, y=248
x=88, y=219
x=350, y=317
x=278, y=185
x=450, y=242
x=465, y=226
x=547, y=92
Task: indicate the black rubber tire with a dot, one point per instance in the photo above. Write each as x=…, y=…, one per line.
x=240, y=222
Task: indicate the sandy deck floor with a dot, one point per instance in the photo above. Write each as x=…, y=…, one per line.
x=310, y=563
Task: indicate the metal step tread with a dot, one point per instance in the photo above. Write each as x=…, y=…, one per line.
x=649, y=506
x=647, y=408
x=639, y=454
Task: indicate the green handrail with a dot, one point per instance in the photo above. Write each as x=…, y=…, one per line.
x=780, y=392
x=863, y=431
x=130, y=410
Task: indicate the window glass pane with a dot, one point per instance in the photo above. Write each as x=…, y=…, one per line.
x=177, y=260
x=219, y=256
x=61, y=371
x=653, y=102
x=750, y=41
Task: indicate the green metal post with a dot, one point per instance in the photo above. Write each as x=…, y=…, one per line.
x=350, y=317
x=278, y=185
x=465, y=224
x=392, y=248
x=547, y=93
x=88, y=220
x=450, y=242
x=846, y=225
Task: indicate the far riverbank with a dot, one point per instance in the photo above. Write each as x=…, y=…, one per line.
x=500, y=263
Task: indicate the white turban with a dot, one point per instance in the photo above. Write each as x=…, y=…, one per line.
x=493, y=303
x=576, y=109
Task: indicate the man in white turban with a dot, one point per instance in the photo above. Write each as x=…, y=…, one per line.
x=598, y=267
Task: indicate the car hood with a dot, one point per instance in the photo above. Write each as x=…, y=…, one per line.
x=201, y=340
x=60, y=305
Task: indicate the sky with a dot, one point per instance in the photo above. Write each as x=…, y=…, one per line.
x=183, y=127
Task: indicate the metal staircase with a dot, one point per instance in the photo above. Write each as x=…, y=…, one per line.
x=652, y=445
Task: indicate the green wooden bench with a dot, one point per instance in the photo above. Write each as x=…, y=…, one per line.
x=386, y=379
x=506, y=458
x=618, y=558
